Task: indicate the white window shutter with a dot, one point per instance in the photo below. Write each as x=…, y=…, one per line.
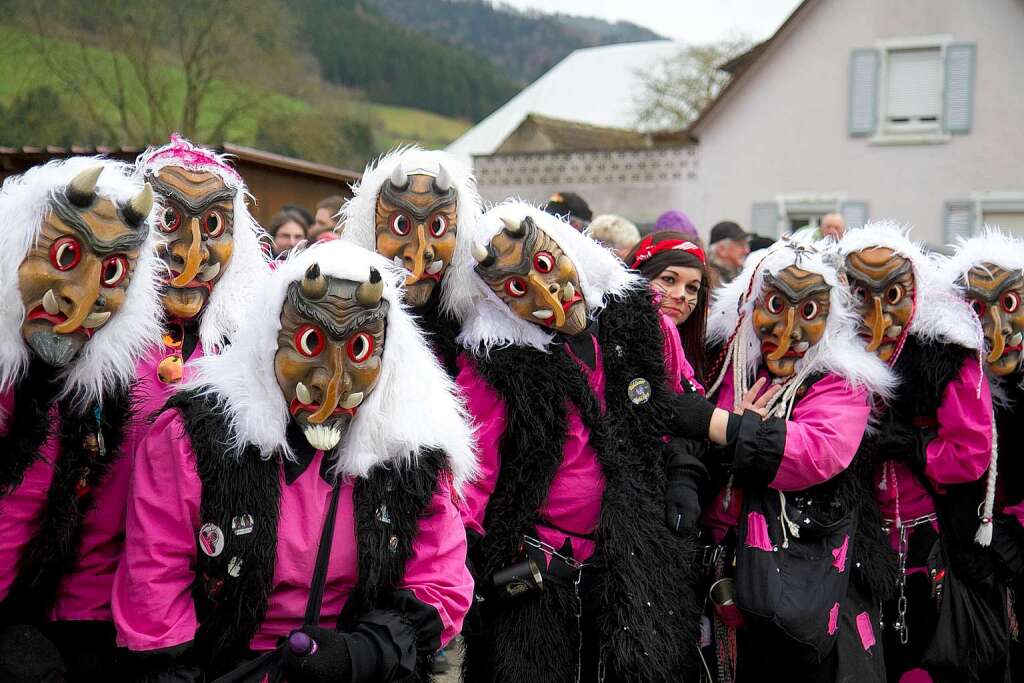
x=914, y=86
x=863, y=115
x=764, y=219
x=958, y=219
x=959, y=87
x=854, y=213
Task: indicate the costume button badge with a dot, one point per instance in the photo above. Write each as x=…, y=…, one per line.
x=211, y=539
x=242, y=525
x=639, y=391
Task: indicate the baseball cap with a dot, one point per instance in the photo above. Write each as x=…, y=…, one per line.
x=569, y=204
x=727, y=230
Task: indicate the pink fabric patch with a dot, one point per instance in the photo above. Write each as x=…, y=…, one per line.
x=833, y=619
x=757, y=532
x=866, y=630
x=916, y=676
x=839, y=555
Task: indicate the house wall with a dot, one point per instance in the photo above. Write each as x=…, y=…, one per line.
x=783, y=128
x=273, y=188
x=637, y=184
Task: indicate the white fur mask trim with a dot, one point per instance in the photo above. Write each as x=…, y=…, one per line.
x=414, y=405
x=487, y=322
x=839, y=351
x=107, y=361
x=221, y=317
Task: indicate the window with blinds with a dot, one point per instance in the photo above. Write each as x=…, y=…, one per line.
x=913, y=95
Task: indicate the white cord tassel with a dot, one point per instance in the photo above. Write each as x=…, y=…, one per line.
x=983, y=537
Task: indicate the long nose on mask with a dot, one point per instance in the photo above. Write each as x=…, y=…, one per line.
x=998, y=338
x=786, y=338
x=417, y=262
x=331, y=390
x=83, y=297
x=876, y=323
x=193, y=259
x=549, y=298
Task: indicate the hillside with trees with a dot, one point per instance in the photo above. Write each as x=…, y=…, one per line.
x=523, y=44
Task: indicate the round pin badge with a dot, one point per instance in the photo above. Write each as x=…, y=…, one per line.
x=211, y=539
x=639, y=391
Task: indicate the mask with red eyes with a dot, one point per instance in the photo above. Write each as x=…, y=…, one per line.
x=790, y=317
x=329, y=351
x=527, y=270
x=198, y=223
x=76, y=275
x=996, y=295
x=882, y=284
x=415, y=225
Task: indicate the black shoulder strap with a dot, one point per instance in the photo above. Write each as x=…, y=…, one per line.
x=323, y=555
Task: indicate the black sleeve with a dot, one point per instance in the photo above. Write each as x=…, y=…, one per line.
x=689, y=416
x=685, y=475
x=387, y=641
x=166, y=665
x=756, y=448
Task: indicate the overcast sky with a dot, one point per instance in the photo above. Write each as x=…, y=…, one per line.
x=692, y=21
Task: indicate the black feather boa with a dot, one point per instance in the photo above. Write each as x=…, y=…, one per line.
x=28, y=424
x=643, y=575
x=79, y=471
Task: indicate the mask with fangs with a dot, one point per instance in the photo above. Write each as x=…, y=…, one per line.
x=530, y=272
x=329, y=351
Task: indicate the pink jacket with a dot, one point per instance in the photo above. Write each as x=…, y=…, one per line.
x=822, y=436
x=84, y=592
x=959, y=454
x=153, y=605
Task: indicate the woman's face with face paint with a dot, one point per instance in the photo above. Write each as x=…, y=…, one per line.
x=882, y=284
x=790, y=317
x=527, y=270
x=329, y=352
x=996, y=295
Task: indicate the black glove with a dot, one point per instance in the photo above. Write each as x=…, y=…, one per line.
x=684, y=472
x=323, y=657
x=691, y=415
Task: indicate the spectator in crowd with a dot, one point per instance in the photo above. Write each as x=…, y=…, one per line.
x=326, y=219
x=570, y=207
x=680, y=222
x=287, y=229
x=729, y=248
x=614, y=232
x=675, y=267
x=300, y=213
x=832, y=225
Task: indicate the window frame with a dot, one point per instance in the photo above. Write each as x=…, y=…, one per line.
x=885, y=132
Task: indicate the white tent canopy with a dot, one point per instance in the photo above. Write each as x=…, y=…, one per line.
x=598, y=85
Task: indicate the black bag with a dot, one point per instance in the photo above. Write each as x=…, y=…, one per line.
x=795, y=586
x=972, y=632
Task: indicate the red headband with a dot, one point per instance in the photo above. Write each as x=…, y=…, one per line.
x=648, y=249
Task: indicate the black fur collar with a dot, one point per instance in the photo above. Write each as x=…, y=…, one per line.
x=28, y=424
x=924, y=369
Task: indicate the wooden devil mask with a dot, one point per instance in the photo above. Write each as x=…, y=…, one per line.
x=882, y=283
x=995, y=294
x=790, y=317
x=527, y=270
x=76, y=275
x=415, y=225
x=329, y=351
x=198, y=224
